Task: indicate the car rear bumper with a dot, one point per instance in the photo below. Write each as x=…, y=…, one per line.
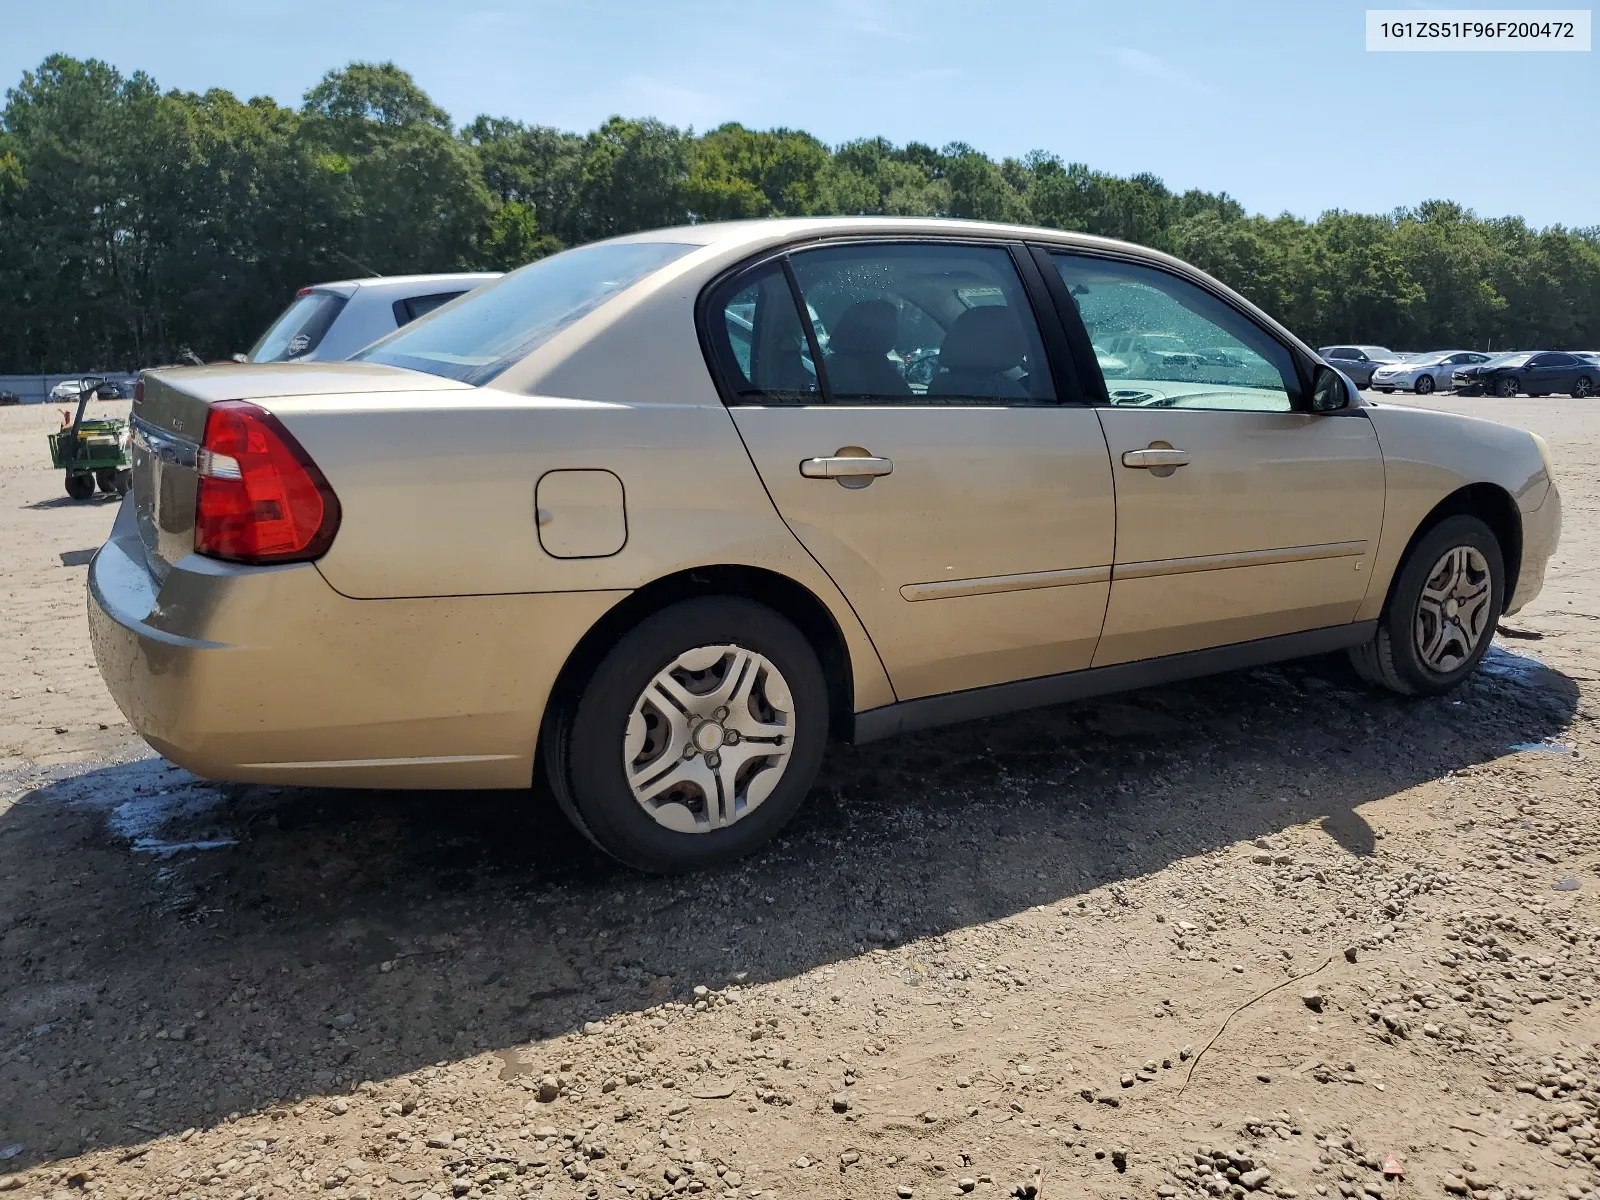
x=1541, y=532
x=266, y=674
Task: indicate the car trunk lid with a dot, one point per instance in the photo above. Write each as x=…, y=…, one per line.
x=169, y=421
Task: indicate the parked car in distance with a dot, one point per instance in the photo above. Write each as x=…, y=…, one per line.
x=621, y=519
x=68, y=390
x=331, y=321
x=7, y=399
x=1530, y=373
x=1424, y=373
x=1358, y=362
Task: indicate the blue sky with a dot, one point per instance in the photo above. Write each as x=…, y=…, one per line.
x=1276, y=103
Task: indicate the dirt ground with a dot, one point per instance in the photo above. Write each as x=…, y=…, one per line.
x=1268, y=933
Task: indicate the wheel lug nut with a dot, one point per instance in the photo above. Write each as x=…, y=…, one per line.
x=720, y=715
x=731, y=738
x=713, y=760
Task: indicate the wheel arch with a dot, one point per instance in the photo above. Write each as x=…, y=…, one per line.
x=1492, y=505
x=790, y=599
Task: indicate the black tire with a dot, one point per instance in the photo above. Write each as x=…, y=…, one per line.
x=80, y=485
x=1424, y=385
x=1387, y=391
x=582, y=744
x=1582, y=387
x=1392, y=658
x=106, y=479
x=1505, y=388
x=124, y=481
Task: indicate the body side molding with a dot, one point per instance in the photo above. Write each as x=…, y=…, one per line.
x=931, y=711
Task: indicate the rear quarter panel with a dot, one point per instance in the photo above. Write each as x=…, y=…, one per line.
x=438, y=498
x=1428, y=455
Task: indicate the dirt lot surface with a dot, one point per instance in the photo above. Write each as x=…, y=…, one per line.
x=1268, y=932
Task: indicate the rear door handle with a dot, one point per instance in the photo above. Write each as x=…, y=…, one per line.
x=842, y=466
x=1155, y=457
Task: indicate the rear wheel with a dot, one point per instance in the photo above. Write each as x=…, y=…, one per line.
x=106, y=479
x=1506, y=388
x=1441, y=613
x=696, y=738
x=1424, y=384
x=1582, y=386
x=80, y=485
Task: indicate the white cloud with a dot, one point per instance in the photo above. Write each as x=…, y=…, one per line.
x=1148, y=66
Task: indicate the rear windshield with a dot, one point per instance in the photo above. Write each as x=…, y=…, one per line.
x=501, y=322
x=300, y=330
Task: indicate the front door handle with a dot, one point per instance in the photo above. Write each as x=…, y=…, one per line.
x=1156, y=457
x=851, y=470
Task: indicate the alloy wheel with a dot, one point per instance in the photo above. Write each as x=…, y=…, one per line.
x=1424, y=384
x=1453, y=611
x=1583, y=387
x=709, y=738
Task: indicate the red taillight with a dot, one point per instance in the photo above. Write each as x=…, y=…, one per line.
x=261, y=499
x=138, y=392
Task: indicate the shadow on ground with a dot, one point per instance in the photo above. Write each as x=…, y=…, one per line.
x=297, y=941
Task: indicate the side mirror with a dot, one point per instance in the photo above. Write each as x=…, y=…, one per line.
x=1329, y=392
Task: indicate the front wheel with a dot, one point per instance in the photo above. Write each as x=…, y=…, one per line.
x=696, y=738
x=1387, y=391
x=80, y=485
x=1582, y=387
x=1506, y=388
x=1424, y=385
x=1441, y=613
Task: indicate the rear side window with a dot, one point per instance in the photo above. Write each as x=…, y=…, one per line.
x=299, y=330
x=931, y=323
x=758, y=341
x=412, y=307
x=504, y=321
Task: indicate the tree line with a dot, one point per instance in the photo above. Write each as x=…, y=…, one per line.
x=137, y=223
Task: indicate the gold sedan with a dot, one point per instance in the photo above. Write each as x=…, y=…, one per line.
x=658, y=517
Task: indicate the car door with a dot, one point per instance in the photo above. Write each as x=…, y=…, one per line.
x=1240, y=514
x=1562, y=373
x=965, y=512
x=1539, y=375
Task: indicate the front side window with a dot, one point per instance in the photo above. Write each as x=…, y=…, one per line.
x=931, y=323
x=1175, y=344
x=507, y=319
x=299, y=330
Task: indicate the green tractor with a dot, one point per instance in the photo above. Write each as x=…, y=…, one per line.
x=93, y=452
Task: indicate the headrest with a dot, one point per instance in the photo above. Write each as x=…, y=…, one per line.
x=867, y=327
x=987, y=338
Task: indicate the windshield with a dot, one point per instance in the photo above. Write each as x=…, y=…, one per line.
x=300, y=330
x=483, y=333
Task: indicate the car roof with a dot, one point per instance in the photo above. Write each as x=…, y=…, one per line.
x=406, y=284
x=755, y=234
